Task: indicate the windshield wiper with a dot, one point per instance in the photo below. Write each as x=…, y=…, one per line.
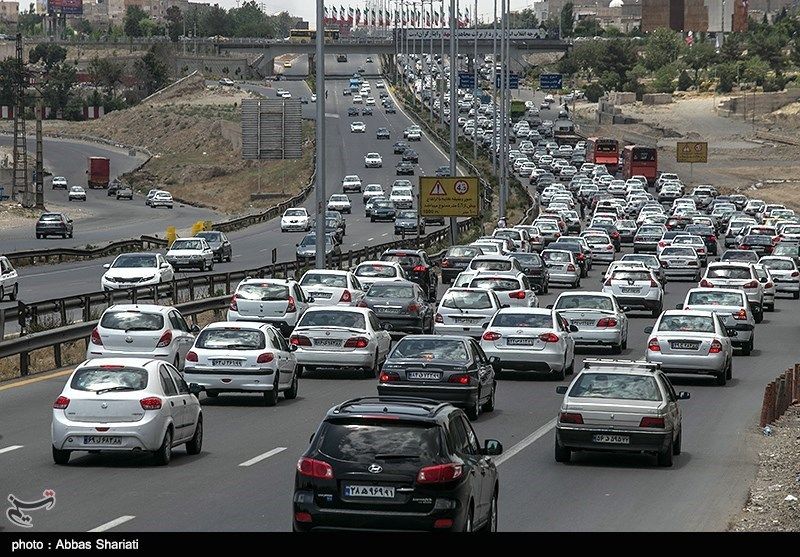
x=117, y=388
x=395, y=456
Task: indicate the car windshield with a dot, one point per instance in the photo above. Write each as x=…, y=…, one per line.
x=371, y=441
x=491, y=265
x=648, y=260
x=264, y=292
x=630, y=276
x=687, y=323
x=324, y=279
x=585, y=302
x=616, y=385
x=134, y=262
x=340, y=198
x=466, y=299
x=463, y=251
x=347, y=319
x=407, y=215
x=532, y=320
x=715, y=299
x=371, y=270
x=493, y=283
x=50, y=218
x=295, y=213
x=309, y=240
x=231, y=339
x=186, y=244
x=132, y=321
x=510, y=234
x=382, y=204
x=739, y=273
x=118, y=378
x=431, y=349
x=391, y=290
x=778, y=264
x=528, y=259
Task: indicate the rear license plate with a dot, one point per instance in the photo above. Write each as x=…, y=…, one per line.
x=613, y=439
x=372, y=491
x=582, y=322
x=424, y=375
x=388, y=310
x=685, y=345
x=632, y=290
x=327, y=342
x=101, y=440
x=227, y=363
x=321, y=295
x=521, y=341
x=463, y=320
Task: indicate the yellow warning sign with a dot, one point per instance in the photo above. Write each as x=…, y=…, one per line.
x=692, y=151
x=451, y=196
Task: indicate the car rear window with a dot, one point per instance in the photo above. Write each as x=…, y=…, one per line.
x=324, y=279
x=431, y=349
x=50, y=218
x=385, y=271
x=532, y=320
x=399, y=291
x=132, y=321
x=186, y=244
x=557, y=256
x=491, y=265
x=678, y=252
x=687, y=323
x=347, y=319
x=528, y=259
x=370, y=441
x=231, y=339
x=729, y=273
x=630, y=275
x=407, y=260
x=463, y=251
x=613, y=385
x=715, y=299
x=118, y=378
x=585, y=302
x=495, y=284
x=778, y=264
x=510, y=234
x=264, y=292
x=466, y=299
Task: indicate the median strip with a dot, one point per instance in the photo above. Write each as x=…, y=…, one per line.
x=263, y=456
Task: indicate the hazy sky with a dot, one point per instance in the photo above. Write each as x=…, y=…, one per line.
x=307, y=8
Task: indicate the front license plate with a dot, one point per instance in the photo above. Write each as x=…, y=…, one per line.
x=424, y=375
x=327, y=342
x=101, y=440
x=685, y=345
x=227, y=363
x=372, y=491
x=521, y=341
x=613, y=439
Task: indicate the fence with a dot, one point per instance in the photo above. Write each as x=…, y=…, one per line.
x=780, y=394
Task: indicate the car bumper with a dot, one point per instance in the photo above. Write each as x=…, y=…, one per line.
x=285, y=325
x=106, y=286
x=603, y=256
x=527, y=360
x=468, y=330
x=449, y=275
x=639, y=302
x=698, y=363
x=395, y=323
x=645, y=247
x=95, y=351
x=195, y=263
x=295, y=227
x=605, y=337
x=456, y=395
x=146, y=434
x=792, y=286
x=336, y=359
x=681, y=272
x=231, y=380
x=582, y=439
x=564, y=278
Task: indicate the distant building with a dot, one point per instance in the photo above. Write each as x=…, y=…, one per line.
x=699, y=16
x=9, y=12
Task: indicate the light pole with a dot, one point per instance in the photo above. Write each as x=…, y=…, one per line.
x=320, y=137
x=503, y=126
x=453, y=123
x=475, y=74
x=441, y=73
x=430, y=30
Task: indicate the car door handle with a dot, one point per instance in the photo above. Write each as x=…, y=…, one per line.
x=171, y=403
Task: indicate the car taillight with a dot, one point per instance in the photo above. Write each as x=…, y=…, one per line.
x=751, y=284
x=356, y=342
x=607, y=322
x=705, y=284
x=151, y=403
x=570, y=418
x=653, y=283
x=712, y=238
x=662, y=244
x=234, y=306
x=165, y=340
x=291, y=307
x=362, y=304
x=191, y=356
x=549, y=337
x=609, y=247
x=299, y=340
x=315, y=468
x=445, y=262
x=716, y=347
x=439, y=473
x=420, y=269
x=581, y=257
x=389, y=377
x=615, y=234
x=460, y=378
x=517, y=295
x=303, y=517
x=491, y=335
x=571, y=268
x=96, y=337
x=795, y=274
x=652, y=422
x=439, y=318
x=653, y=345
x=265, y=358
x=61, y=403
x=413, y=308
x=769, y=285
x=744, y=246
x=346, y=297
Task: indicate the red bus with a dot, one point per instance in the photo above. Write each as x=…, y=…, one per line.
x=640, y=161
x=601, y=150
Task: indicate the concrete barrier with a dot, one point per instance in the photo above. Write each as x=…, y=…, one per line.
x=779, y=395
x=656, y=98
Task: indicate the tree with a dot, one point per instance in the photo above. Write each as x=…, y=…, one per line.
x=588, y=27
x=524, y=19
x=732, y=49
x=249, y=21
x=755, y=70
x=769, y=44
x=698, y=56
x=214, y=21
x=11, y=73
x=151, y=71
x=48, y=54
x=134, y=15
x=567, y=20
x=57, y=89
x=727, y=74
x=684, y=81
x=106, y=73
x=664, y=78
x=29, y=23
x=282, y=23
x=662, y=48
x=593, y=92
x=84, y=27
x=174, y=19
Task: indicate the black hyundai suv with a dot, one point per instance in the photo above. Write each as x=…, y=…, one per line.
x=396, y=463
x=417, y=267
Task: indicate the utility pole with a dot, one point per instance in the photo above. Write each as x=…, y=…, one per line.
x=453, y=119
x=20, y=186
x=39, y=153
x=441, y=73
x=430, y=30
x=494, y=92
x=475, y=74
x=320, y=137
x=503, y=111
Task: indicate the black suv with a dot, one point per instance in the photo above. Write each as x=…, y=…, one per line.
x=396, y=463
x=417, y=267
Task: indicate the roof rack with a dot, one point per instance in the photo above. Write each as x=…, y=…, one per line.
x=438, y=405
x=633, y=365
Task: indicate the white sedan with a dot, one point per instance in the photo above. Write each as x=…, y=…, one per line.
x=130, y=270
x=332, y=287
x=296, y=219
x=370, y=272
x=373, y=160
x=77, y=193
x=358, y=127
x=339, y=202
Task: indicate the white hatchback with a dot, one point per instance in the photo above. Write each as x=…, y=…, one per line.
x=278, y=302
x=8, y=280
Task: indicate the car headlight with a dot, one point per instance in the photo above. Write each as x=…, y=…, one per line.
x=151, y=277
x=110, y=279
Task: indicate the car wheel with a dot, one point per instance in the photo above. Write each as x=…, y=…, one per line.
x=195, y=444
x=624, y=345
x=271, y=396
x=230, y=257
x=729, y=371
x=562, y=454
x=616, y=349
x=546, y=288
x=211, y=265
x=571, y=368
x=491, y=520
x=758, y=313
x=747, y=348
x=63, y=236
x=721, y=378
x=665, y=456
x=488, y=406
x=676, y=446
x=164, y=453
x=61, y=457
x=657, y=310
x=578, y=283
x=372, y=372
x=298, y=371
x=38, y=236
x=559, y=375
x=291, y=392
x=70, y=234
x=474, y=410
x=770, y=307
x=796, y=295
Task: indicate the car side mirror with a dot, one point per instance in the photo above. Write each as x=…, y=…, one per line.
x=106, y=265
x=292, y=347
x=165, y=265
x=195, y=328
x=196, y=389
x=310, y=300
x=684, y=395
x=561, y=389
x=573, y=329
x=549, y=306
x=763, y=280
x=504, y=306
x=492, y=447
x=648, y=329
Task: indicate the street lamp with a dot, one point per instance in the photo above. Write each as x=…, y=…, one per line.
x=320, y=137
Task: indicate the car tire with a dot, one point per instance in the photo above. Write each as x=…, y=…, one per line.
x=372, y=372
x=163, y=455
x=729, y=370
x=616, y=349
x=195, y=444
x=488, y=406
x=665, y=456
x=561, y=453
x=38, y=236
x=71, y=234
x=770, y=307
x=657, y=310
x=230, y=257
x=546, y=288
x=796, y=295
x=61, y=457
x=271, y=396
x=676, y=446
x=559, y=375
x=291, y=392
x=474, y=410
x=571, y=368
x=748, y=348
x=298, y=371
x=491, y=520
x=758, y=313
x=721, y=379
x=578, y=283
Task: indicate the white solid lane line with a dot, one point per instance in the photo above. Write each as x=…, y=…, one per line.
x=10, y=448
x=263, y=456
x=113, y=524
x=525, y=442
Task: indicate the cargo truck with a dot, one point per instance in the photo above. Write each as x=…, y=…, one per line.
x=99, y=172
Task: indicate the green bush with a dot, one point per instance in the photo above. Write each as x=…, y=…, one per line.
x=684, y=81
x=593, y=92
x=772, y=84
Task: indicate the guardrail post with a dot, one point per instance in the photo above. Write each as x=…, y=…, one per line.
x=62, y=310
x=134, y=295
x=174, y=286
x=87, y=309
x=210, y=285
x=191, y=288
x=57, y=355
x=24, y=361
x=790, y=380
x=34, y=316
x=768, y=405
x=2, y=323
x=796, y=390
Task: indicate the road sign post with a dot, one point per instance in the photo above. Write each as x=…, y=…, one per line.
x=691, y=152
x=450, y=196
x=466, y=81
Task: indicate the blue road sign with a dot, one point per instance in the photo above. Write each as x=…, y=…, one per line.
x=513, y=81
x=551, y=81
x=466, y=81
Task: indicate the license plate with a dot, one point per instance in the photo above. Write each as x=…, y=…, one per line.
x=583, y=322
x=685, y=345
x=424, y=375
x=327, y=342
x=463, y=319
x=521, y=341
x=633, y=290
x=373, y=491
x=388, y=310
x=613, y=439
x=321, y=295
x=101, y=440
x=227, y=363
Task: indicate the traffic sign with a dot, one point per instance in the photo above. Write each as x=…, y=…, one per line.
x=466, y=80
x=449, y=196
x=692, y=151
x=513, y=81
x=551, y=81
